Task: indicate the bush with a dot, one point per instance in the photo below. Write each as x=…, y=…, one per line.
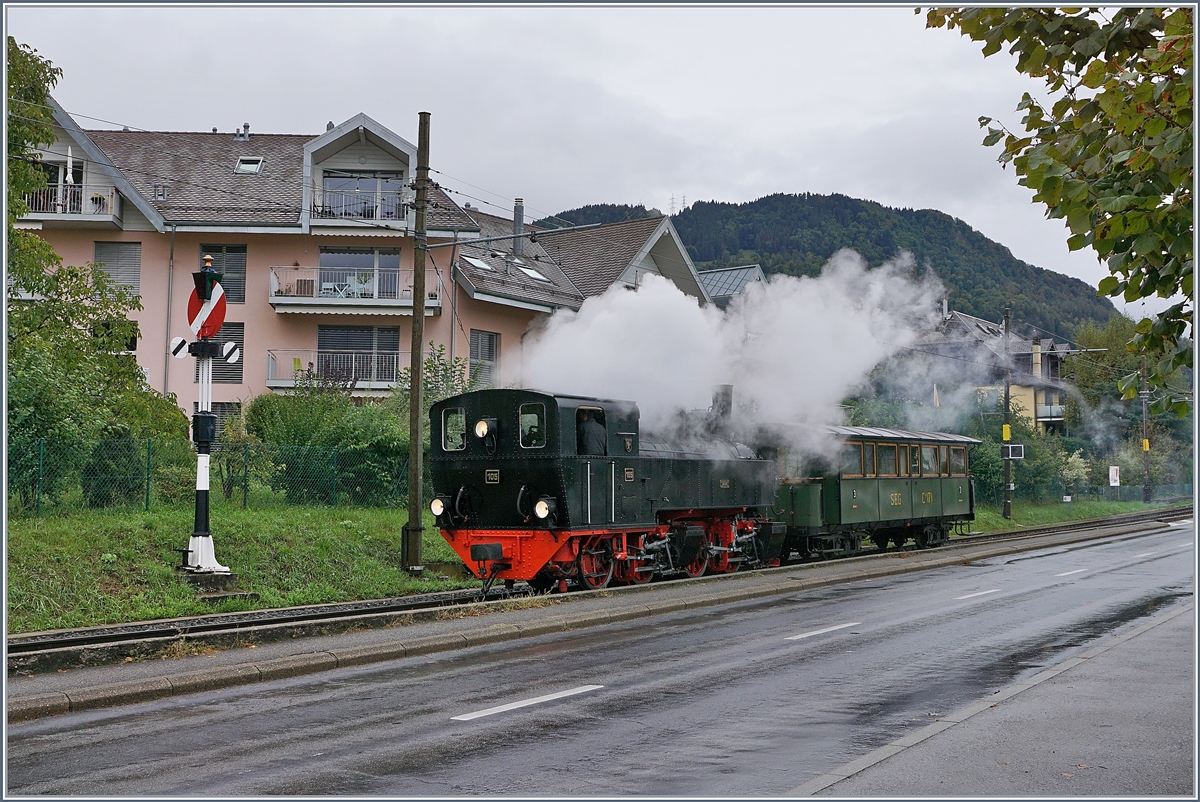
x=115, y=472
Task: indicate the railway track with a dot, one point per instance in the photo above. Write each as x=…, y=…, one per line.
x=104, y=644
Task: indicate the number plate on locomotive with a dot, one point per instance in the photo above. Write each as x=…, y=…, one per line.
x=629, y=474
x=491, y=476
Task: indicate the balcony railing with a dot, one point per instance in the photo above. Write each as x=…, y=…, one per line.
x=351, y=205
x=74, y=199
x=369, y=369
x=334, y=284
x=1051, y=412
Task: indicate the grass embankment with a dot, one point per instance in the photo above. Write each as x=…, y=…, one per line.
x=90, y=568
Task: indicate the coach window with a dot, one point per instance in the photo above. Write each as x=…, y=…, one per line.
x=852, y=464
x=945, y=461
x=454, y=429
x=868, y=459
x=958, y=462
x=914, y=461
x=533, y=425
x=902, y=460
x=887, y=459
x=929, y=461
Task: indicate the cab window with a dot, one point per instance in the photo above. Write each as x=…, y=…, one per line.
x=454, y=429
x=887, y=459
x=958, y=461
x=929, y=461
x=532, y=418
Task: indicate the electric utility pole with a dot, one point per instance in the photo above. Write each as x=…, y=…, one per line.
x=410, y=544
x=1006, y=432
x=1145, y=394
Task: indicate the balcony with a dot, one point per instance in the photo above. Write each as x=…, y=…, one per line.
x=1051, y=412
x=371, y=370
x=75, y=205
x=350, y=207
x=380, y=291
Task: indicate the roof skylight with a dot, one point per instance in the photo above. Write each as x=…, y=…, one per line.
x=482, y=265
x=249, y=165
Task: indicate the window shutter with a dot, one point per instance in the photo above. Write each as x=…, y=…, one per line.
x=122, y=261
x=223, y=372
x=231, y=261
x=485, y=356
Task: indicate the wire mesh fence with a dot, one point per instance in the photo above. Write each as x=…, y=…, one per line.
x=1052, y=490
x=58, y=475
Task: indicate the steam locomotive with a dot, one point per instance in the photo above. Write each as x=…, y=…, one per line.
x=562, y=490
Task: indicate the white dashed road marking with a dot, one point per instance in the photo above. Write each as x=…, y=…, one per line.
x=1068, y=573
x=980, y=593
x=525, y=703
x=823, y=631
x=1145, y=554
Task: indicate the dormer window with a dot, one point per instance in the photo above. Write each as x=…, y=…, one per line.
x=368, y=195
x=249, y=165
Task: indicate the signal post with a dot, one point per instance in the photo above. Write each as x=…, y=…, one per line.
x=206, y=313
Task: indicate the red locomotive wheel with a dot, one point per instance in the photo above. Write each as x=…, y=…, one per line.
x=697, y=566
x=595, y=563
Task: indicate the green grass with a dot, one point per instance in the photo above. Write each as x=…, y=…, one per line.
x=1026, y=514
x=102, y=567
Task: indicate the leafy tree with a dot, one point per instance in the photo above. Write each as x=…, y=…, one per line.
x=440, y=378
x=1113, y=154
x=68, y=326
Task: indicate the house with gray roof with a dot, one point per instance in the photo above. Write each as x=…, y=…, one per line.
x=314, y=235
x=726, y=283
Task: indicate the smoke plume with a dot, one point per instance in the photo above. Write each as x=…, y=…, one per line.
x=792, y=347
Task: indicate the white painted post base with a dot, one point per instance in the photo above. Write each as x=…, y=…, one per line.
x=203, y=557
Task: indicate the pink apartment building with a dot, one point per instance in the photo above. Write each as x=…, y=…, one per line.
x=314, y=234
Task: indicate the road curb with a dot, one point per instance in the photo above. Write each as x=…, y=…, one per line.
x=742, y=587
x=975, y=708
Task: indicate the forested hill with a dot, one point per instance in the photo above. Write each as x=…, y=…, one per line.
x=796, y=235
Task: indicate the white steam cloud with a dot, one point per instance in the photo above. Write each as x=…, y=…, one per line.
x=792, y=347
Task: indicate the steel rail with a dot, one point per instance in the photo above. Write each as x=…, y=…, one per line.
x=232, y=623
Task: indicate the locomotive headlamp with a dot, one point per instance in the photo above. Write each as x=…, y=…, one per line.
x=545, y=507
x=437, y=506
x=484, y=427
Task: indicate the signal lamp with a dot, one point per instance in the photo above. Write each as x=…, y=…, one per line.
x=484, y=427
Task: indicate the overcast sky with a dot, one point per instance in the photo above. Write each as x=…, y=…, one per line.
x=573, y=105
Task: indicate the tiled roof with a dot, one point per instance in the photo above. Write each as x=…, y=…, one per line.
x=507, y=279
x=198, y=171
x=595, y=257
x=202, y=187
x=444, y=214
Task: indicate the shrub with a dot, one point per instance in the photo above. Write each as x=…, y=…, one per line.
x=115, y=471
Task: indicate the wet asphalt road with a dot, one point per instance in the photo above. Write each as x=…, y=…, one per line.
x=722, y=701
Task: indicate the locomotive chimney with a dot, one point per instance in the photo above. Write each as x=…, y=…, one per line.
x=722, y=401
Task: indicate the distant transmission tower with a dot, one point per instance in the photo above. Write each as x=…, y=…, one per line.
x=672, y=203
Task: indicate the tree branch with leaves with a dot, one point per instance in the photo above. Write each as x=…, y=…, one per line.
x=1112, y=156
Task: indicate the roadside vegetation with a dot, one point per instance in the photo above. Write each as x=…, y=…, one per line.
x=108, y=566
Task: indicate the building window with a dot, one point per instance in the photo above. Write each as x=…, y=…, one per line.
x=249, y=165
x=361, y=353
x=224, y=372
x=229, y=260
x=372, y=195
x=485, y=357
x=122, y=261
x=361, y=273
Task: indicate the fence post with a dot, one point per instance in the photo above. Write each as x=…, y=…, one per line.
x=335, y=475
x=245, y=472
x=41, y=460
x=149, y=449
